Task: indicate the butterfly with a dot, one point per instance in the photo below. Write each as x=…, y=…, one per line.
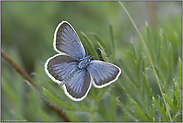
x=74, y=71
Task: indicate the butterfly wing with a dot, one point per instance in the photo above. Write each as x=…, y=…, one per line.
x=67, y=41
x=60, y=66
x=59, y=69
x=78, y=87
x=103, y=73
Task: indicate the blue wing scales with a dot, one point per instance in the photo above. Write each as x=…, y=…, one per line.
x=103, y=73
x=78, y=87
x=67, y=41
x=60, y=66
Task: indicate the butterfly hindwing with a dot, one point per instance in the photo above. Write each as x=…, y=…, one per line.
x=78, y=87
x=67, y=41
x=103, y=73
x=59, y=66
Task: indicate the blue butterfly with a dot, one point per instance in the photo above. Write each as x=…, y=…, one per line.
x=74, y=71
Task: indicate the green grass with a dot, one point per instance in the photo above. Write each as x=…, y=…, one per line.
x=149, y=88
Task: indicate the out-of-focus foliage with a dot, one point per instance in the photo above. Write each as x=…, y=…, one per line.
x=27, y=37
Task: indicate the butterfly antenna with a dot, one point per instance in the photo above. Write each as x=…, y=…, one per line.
x=101, y=56
x=86, y=47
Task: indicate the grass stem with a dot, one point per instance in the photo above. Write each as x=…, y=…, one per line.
x=148, y=57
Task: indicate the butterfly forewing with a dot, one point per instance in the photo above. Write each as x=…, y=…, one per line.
x=103, y=73
x=60, y=66
x=67, y=41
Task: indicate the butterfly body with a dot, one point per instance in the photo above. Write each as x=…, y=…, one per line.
x=84, y=62
x=74, y=71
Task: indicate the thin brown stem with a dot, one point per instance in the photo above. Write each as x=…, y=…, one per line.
x=28, y=78
x=16, y=67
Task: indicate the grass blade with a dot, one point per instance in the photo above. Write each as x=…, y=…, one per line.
x=98, y=39
x=127, y=71
x=180, y=74
x=90, y=46
x=148, y=90
x=103, y=53
x=151, y=113
x=172, y=106
x=125, y=108
x=37, y=91
x=57, y=101
x=177, y=94
x=160, y=110
x=140, y=112
x=150, y=41
x=170, y=67
x=112, y=46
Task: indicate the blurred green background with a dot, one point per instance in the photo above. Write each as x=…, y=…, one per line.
x=27, y=30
